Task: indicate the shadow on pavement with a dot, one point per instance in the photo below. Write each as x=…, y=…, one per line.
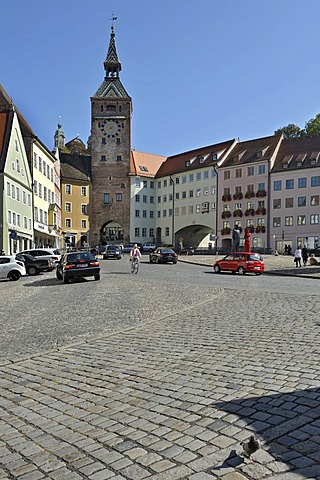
x=288, y=426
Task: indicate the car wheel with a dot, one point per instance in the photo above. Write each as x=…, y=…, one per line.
x=58, y=275
x=258, y=273
x=14, y=275
x=217, y=269
x=157, y=259
x=241, y=271
x=65, y=279
x=32, y=271
x=97, y=277
x=174, y=263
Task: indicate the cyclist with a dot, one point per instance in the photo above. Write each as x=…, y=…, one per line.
x=135, y=253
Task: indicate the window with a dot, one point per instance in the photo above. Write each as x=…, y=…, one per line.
x=68, y=207
x=205, y=175
x=137, y=232
x=24, y=197
x=159, y=199
x=13, y=191
x=137, y=213
x=213, y=190
x=14, y=218
x=144, y=213
x=190, y=209
x=137, y=182
x=68, y=222
x=184, y=194
x=167, y=231
x=190, y=193
x=164, y=213
x=159, y=184
x=40, y=190
x=25, y=222
x=68, y=189
x=165, y=183
x=159, y=214
x=261, y=169
x=40, y=164
x=45, y=193
x=261, y=203
x=289, y=202
x=261, y=186
x=177, y=195
x=314, y=200
x=198, y=192
x=277, y=203
x=302, y=182
x=315, y=181
x=238, y=189
x=8, y=189
x=83, y=191
x=302, y=201
x=18, y=194
x=198, y=208
x=151, y=199
x=177, y=180
x=119, y=158
x=164, y=198
x=144, y=232
x=205, y=191
x=35, y=213
x=238, y=173
x=83, y=223
x=314, y=219
x=18, y=165
x=237, y=206
x=170, y=212
x=9, y=216
x=277, y=185
x=250, y=205
x=250, y=171
x=226, y=175
x=184, y=179
x=183, y=210
x=198, y=176
x=118, y=197
x=289, y=184
x=151, y=214
x=226, y=224
x=288, y=221
x=106, y=198
x=103, y=158
x=261, y=221
x=35, y=160
x=84, y=210
x=213, y=205
x=276, y=221
x=151, y=184
x=137, y=197
x=191, y=176
x=151, y=232
x=301, y=220
x=145, y=183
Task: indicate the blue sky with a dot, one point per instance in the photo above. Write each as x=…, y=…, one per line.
x=198, y=72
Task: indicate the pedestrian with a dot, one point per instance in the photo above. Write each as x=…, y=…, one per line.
x=285, y=249
x=304, y=253
x=2, y=252
x=298, y=256
x=289, y=249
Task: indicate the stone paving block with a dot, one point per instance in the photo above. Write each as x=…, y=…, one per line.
x=102, y=475
x=162, y=466
x=135, y=472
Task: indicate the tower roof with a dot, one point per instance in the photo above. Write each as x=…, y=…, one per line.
x=111, y=64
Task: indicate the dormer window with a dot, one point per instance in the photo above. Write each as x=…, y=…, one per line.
x=201, y=159
x=188, y=163
x=259, y=154
x=214, y=156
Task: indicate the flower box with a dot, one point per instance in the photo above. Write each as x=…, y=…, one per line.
x=260, y=229
x=261, y=211
x=237, y=196
x=238, y=213
x=249, y=194
x=226, y=214
x=250, y=228
x=261, y=193
x=226, y=198
x=226, y=231
x=250, y=212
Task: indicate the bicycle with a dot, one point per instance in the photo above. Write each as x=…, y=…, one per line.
x=135, y=265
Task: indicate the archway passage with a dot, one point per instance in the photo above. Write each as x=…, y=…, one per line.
x=196, y=236
x=111, y=232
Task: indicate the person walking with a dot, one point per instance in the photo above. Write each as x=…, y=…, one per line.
x=298, y=256
x=304, y=253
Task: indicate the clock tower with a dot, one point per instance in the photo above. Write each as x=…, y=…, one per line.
x=111, y=109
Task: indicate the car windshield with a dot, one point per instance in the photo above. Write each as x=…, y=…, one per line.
x=256, y=256
x=76, y=257
x=166, y=250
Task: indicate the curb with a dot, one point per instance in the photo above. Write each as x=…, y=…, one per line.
x=266, y=272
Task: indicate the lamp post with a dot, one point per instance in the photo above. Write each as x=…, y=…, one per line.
x=274, y=241
x=172, y=223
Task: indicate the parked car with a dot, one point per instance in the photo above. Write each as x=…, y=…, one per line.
x=314, y=251
x=163, y=255
x=127, y=247
x=112, y=251
x=11, y=268
x=44, y=253
x=240, y=262
x=77, y=265
x=148, y=247
x=187, y=251
x=35, y=265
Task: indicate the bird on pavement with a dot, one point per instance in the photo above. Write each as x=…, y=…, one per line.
x=250, y=447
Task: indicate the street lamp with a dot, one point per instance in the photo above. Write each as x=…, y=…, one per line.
x=274, y=241
x=173, y=199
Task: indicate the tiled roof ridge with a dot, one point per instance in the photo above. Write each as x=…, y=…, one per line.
x=202, y=148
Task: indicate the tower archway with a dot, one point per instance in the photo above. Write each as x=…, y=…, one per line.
x=111, y=232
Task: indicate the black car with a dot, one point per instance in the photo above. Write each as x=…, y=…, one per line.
x=35, y=265
x=78, y=265
x=112, y=251
x=163, y=255
x=314, y=251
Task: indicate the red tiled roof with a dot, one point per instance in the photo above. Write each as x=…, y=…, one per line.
x=200, y=157
x=145, y=164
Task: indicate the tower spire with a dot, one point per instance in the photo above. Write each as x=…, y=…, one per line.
x=112, y=64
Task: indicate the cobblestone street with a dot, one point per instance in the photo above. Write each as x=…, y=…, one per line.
x=171, y=391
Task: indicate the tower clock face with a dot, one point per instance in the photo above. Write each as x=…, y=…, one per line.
x=111, y=128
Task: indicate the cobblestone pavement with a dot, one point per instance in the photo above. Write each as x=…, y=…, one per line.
x=171, y=395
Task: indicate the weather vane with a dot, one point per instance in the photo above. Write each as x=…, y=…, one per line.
x=113, y=19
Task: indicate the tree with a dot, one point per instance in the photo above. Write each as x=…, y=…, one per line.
x=292, y=131
x=313, y=126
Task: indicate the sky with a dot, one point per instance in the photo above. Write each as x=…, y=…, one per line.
x=198, y=73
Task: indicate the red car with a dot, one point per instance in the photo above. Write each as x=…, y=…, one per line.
x=240, y=262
